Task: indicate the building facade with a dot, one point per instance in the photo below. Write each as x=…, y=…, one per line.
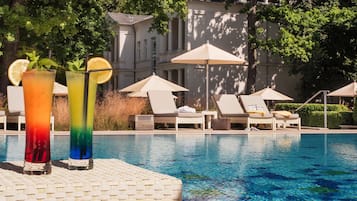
x=138, y=53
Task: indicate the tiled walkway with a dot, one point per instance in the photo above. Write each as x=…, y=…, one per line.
x=110, y=179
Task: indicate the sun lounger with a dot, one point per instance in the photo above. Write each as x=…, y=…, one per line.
x=229, y=108
x=256, y=104
x=286, y=118
x=16, y=107
x=3, y=119
x=165, y=110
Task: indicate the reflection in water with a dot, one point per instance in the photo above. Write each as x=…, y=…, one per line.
x=189, y=145
x=348, y=152
x=15, y=149
x=2, y=147
x=161, y=151
x=232, y=167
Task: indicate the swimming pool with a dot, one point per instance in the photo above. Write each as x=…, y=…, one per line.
x=232, y=167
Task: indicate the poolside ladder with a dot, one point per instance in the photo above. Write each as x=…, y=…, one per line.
x=325, y=92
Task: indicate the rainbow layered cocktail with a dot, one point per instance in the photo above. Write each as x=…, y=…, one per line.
x=38, y=92
x=81, y=112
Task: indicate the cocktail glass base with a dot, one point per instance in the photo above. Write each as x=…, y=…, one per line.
x=80, y=164
x=37, y=168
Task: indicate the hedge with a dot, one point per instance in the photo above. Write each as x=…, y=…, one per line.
x=313, y=114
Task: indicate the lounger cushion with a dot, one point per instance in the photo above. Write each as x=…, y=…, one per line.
x=160, y=104
x=17, y=114
x=237, y=115
x=184, y=114
x=253, y=103
x=228, y=104
x=285, y=114
x=260, y=115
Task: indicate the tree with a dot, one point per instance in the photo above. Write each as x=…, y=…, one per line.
x=161, y=10
x=63, y=29
x=318, y=38
x=252, y=47
x=21, y=20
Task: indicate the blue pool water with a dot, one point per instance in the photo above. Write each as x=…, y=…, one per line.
x=232, y=167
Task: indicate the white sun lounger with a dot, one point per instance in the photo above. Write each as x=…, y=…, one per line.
x=165, y=110
x=229, y=108
x=16, y=107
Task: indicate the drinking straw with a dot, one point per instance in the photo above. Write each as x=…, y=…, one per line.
x=85, y=107
x=85, y=104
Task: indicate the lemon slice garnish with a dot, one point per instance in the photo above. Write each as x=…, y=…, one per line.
x=99, y=63
x=16, y=70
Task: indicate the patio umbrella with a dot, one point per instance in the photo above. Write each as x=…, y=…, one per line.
x=59, y=89
x=271, y=94
x=151, y=83
x=207, y=54
x=349, y=90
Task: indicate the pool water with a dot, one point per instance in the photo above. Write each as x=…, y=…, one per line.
x=231, y=167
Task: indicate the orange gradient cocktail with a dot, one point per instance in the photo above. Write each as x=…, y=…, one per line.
x=81, y=106
x=38, y=93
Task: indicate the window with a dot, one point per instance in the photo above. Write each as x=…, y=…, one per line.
x=112, y=49
x=153, y=54
x=145, y=49
x=138, y=56
x=116, y=45
x=174, y=33
x=183, y=34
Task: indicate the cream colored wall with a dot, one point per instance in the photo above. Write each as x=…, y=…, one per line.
x=224, y=29
x=228, y=30
x=144, y=66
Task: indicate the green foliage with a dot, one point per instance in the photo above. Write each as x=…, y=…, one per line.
x=313, y=115
x=76, y=65
x=318, y=38
x=40, y=64
x=316, y=119
x=346, y=118
x=311, y=107
x=354, y=115
x=63, y=29
x=161, y=10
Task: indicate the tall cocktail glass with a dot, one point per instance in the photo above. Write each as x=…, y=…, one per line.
x=81, y=106
x=38, y=93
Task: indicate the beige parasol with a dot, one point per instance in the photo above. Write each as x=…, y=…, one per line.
x=59, y=89
x=349, y=90
x=207, y=54
x=153, y=82
x=271, y=94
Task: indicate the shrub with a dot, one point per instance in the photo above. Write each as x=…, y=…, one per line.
x=354, y=115
x=60, y=111
x=111, y=111
x=2, y=101
x=316, y=119
x=313, y=115
x=346, y=118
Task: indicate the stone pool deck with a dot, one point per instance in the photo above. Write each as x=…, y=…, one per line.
x=110, y=179
x=187, y=131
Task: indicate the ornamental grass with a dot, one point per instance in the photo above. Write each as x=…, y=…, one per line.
x=112, y=111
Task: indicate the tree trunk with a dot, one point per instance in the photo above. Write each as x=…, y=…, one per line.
x=10, y=50
x=252, y=48
x=9, y=54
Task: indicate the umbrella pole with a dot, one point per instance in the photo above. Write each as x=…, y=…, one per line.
x=207, y=86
